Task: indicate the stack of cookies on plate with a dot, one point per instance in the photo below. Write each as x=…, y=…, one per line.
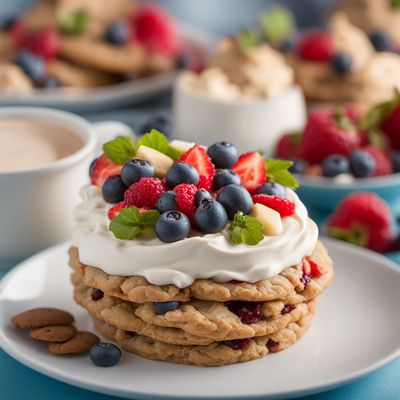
x=206, y=323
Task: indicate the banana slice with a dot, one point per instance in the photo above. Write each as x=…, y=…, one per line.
x=160, y=161
x=270, y=219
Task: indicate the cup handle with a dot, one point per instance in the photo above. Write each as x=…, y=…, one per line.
x=108, y=130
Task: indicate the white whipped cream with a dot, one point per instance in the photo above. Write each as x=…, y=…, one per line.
x=180, y=263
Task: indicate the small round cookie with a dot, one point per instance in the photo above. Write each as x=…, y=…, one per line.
x=81, y=342
x=40, y=317
x=56, y=333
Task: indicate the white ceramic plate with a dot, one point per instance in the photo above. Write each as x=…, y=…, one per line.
x=354, y=333
x=113, y=96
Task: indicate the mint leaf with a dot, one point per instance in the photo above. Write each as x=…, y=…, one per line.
x=277, y=24
x=76, y=23
x=174, y=153
x=277, y=171
x=157, y=141
x=248, y=39
x=245, y=229
x=396, y=3
x=119, y=150
x=130, y=222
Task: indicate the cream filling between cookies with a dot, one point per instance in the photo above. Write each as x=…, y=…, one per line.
x=211, y=256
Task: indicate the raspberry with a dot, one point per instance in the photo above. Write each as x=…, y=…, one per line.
x=185, y=194
x=144, y=193
x=237, y=344
x=280, y=204
x=383, y=164
x=114, y=211
x=248, y=312
x=315, y=46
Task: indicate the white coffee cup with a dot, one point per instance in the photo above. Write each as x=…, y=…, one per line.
x=36, y=205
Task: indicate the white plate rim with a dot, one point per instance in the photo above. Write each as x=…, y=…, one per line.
x=102, y=388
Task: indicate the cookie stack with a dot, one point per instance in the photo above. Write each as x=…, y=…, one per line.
x=207, y=323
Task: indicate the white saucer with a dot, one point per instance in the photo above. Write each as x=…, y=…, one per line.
x=356, y=331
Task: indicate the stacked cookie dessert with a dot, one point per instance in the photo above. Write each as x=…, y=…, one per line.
x=205, y=257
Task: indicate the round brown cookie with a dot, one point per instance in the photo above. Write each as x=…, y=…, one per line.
x=81, y=342
x=40, y=317
x=56, y=333
x=214, y=354
x=289, y=285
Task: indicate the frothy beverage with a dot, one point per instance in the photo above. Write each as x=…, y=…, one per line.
x=29, y=143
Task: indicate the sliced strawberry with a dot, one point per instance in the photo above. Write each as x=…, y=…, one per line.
x=311, y=268
x=114, y=210
x=251, y=169
x=103, y=169
x=197, y=157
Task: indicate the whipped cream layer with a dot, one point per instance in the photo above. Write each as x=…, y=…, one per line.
x=211, y=256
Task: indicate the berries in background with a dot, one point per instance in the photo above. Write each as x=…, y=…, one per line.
x=225, y=177
x=396, y=161
x=383, y=164
x=315, y=46
x=33, y=65
x=8, y=23
x=50, y=82
x=202, y=195
x=172, y=226
x=144, y=193
x=160, y=121
x=334, y=165
x=113, y=189
x=182, y=173
x=210, y=217
x=283, y=206
x=390, y=126
x=362, y=164
x=251, y=169
x=289, y=145
x=364, y=219
x=299, y=166
x=135, y=169
x=235, y=198
x=102, y=169
x=272, y=189
x=167, y=202
x=381, y=41
x=117, y=33
x=162, y=308
x=105, y=354
x=185, y=194
x=223, y=154
x=341, y=63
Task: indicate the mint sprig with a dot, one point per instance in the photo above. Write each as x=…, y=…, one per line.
x=277, y=24
x=119, y=150
x=277, y=171
x=245, y=229
x=157, y=141
x=248, y=39
x=76, y=23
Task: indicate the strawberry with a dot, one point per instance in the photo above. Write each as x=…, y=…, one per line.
x=311, y=268
x=289, y=145
x=103, y=169
x=185, y=194
x=45, y=43
x=198, y=158
x=327, y=133
x=115, y=209
x=364, y=219
x=315, y=46
x=155, y=30
x=144, y=193
x=391, y=127
x=280, y=204
x=383, y=164
x=251, y=169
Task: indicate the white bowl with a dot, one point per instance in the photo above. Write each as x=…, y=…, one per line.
x=249, y=123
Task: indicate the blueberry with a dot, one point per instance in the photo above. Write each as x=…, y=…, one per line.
x=50, y=82
x=135, y=169
x=117, y=33
x=381, y=41
x=362, y=164
x=287, y=45
x=166, y=202
x=113, y=189
x=224, y=177
x=91, y=166
x=396, y=161
x=8, y=23
x=33, y=65
x=202, y=195
x=182, y=62
x=341, y=63
x=210, y=217
x=223, y=154
x=162, y=308
x=299, y=166
x=105, y=354
x=182, y=173
x=235, y=198
x=172, y=226
x=334, y=165
x=162, y=122
x=272, y=189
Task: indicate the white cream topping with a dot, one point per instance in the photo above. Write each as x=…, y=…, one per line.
x=211, y=256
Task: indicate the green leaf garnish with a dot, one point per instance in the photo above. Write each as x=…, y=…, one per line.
x=277, y=24
x=248, y=39
x=76, y=23
x=157, y=141
x=245, y=229
x=277, y=171
x=396, y=3
x=130, y=223
x=119, y=150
